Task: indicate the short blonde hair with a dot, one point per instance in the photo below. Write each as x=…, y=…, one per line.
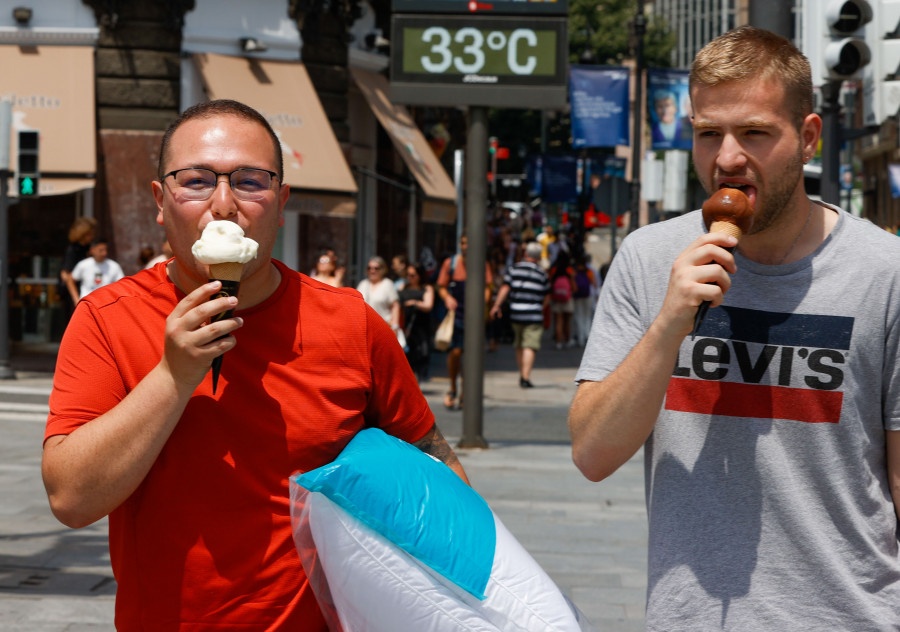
x=748, y=53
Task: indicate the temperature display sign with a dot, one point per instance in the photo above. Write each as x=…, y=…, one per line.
x=493, y=61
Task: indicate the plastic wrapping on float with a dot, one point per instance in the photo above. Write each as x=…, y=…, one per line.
x=391, y=539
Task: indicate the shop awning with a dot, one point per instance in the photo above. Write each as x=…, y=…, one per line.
x=52, y=91
x=314, y=165
x=440, y=194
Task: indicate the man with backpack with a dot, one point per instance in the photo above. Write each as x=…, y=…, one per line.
x=528, y=289
x=562, y=303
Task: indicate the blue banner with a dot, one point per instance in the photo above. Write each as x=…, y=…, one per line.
x=599, y=100
x=559, y=175
x=669, y=105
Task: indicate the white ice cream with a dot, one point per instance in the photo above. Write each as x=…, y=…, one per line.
x=224, y=242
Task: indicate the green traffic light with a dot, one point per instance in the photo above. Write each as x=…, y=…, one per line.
x=26, y=186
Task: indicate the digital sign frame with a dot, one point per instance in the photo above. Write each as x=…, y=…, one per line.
x=485, y=60
x=482, y=7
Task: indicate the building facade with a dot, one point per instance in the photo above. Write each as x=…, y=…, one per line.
x=101, y=80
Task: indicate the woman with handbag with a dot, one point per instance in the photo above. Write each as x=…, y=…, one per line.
x=451, y=284
x=417, y=299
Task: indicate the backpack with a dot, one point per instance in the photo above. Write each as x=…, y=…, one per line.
x=582, y=284
x=562, y=289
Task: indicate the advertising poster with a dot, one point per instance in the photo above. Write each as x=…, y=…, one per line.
x=894, y=173
x=669, y=106
x=599, y=99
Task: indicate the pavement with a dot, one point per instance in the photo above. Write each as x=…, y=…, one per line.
x=589, y=537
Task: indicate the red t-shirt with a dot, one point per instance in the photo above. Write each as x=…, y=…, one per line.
x=206, y=540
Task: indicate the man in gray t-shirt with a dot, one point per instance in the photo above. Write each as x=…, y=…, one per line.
x=772, y=436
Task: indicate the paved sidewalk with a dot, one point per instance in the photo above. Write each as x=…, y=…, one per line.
x=589, y=537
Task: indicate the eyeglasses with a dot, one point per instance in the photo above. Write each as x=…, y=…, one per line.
x=374, y=267
x=198, y=183
x=324, y=260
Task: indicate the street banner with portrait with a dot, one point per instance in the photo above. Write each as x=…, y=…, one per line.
x=894, y=173
x=669, y=107
x=599, y=99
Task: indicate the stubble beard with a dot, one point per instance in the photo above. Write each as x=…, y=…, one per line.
x=779, y=195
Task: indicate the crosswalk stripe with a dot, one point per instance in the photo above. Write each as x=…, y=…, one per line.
x=25, y=408
x=26, y=417
x=8, y=389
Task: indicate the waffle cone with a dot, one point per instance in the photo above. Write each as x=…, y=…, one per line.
x=229, y=271
x=726, y=227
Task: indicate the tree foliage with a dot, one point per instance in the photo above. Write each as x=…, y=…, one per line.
x=604, y=28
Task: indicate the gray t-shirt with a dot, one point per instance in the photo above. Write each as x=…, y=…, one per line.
x=766, y=482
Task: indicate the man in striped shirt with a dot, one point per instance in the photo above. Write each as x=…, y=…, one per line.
x=528, y=288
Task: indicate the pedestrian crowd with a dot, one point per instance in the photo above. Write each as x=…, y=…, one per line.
x=533, y=282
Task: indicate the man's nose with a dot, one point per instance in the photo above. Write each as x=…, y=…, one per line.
x=731, y=156
x=223, y=201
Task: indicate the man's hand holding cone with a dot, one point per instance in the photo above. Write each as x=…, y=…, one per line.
x=223, y=247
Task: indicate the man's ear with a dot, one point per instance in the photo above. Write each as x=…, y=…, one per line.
x=810, y=132
x=158, y=195
x=283, y=196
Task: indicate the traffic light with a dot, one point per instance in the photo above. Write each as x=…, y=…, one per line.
x=493, y=144
x=881, y=80
x=28, y=174
x=834, y=39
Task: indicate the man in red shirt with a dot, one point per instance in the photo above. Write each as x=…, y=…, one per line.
x=196, y=484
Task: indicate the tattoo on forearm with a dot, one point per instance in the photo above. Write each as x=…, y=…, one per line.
x=436, y=445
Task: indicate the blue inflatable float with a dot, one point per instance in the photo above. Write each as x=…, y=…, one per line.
x=392, y=539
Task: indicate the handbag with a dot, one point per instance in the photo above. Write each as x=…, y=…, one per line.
x=444, y=333
x=401, y=338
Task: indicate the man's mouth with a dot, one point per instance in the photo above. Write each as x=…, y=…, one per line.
x=747, y=189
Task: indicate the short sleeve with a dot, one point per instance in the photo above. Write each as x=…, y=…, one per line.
x=87, y=382
x=396, y=404
x=617, y=325
x=393, y=296
x=78, y=270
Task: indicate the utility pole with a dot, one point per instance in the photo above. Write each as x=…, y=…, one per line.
x=773, y=15
x=830, y=186
x=476, y=255
x=6, y=373
x=640, y=27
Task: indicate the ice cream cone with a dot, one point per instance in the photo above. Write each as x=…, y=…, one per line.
x=225, y=249
x=229, y=273
x=729, y=228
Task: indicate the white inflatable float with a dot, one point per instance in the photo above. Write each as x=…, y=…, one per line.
x=392, y=540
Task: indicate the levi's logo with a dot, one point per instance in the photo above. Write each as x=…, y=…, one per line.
x=751, y=363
